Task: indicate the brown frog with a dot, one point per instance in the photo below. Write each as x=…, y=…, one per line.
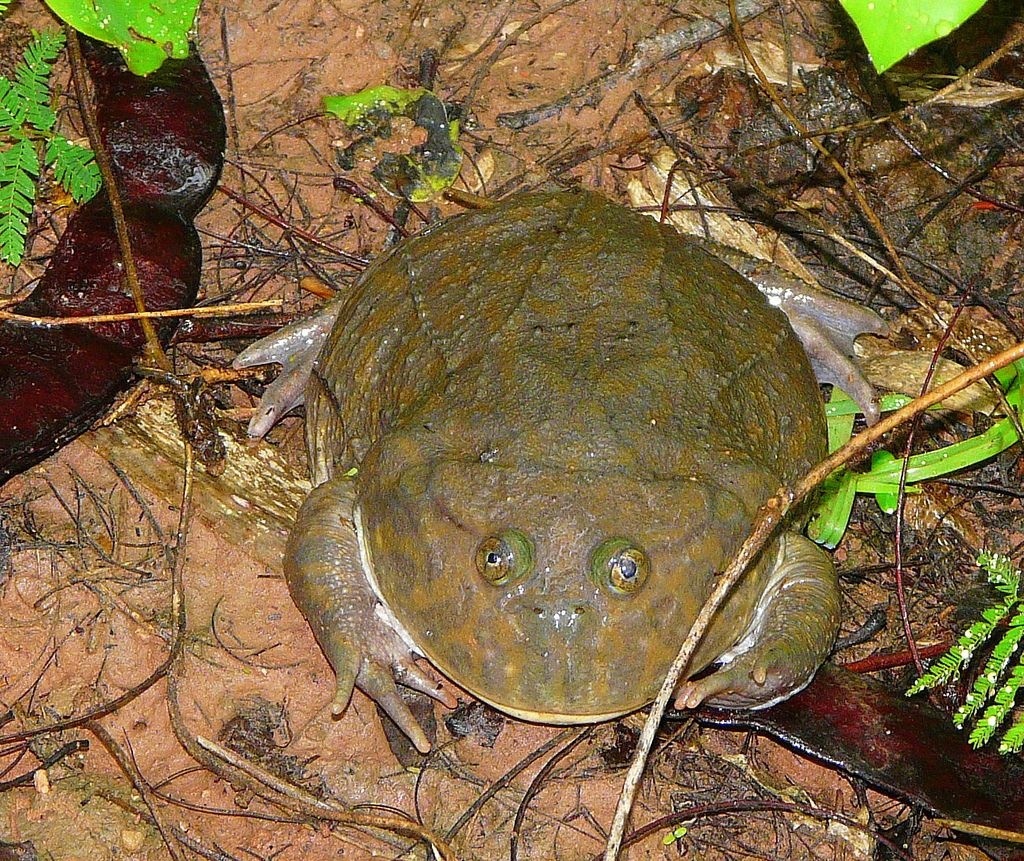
x=562, y=417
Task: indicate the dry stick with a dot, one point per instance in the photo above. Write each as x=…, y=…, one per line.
x=154, y=351
x=296, y=797
x=201, y=311
x=131, y=770
x=648, y=53
x=980, y=830
x=769, y=517
x=1014, y=38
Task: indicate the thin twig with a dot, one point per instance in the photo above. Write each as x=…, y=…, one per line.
x=199, y=311
x=155, y=352
x=285, y=794
x=131, y=770
x=1014, y=38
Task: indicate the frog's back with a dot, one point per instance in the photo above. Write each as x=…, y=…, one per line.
x=561, y=327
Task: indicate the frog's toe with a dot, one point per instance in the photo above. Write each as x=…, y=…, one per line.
x=286, y=392
x=747, y=682
x=378, y=683
x=295, y=347
x=377, y=669
x=379, y=680
x=408, y=674
x=832, y=363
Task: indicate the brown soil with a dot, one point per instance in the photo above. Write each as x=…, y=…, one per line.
x=84, y=556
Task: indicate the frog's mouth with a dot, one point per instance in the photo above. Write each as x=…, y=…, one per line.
x=555, y=718
x=382, y=610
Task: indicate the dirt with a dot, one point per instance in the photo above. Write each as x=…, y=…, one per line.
x=86, y=554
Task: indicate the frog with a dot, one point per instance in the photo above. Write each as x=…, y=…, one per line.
x=537, y=432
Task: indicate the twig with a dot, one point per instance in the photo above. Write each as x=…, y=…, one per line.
x=980, y=830
x=131, y=274
x=286, y=794
x=768, y=519
x=352, y=260
x=131, y=770
x=1014, y=38
x=199, y=311
x=506, y=779
x=760, y=805
x=535, y=786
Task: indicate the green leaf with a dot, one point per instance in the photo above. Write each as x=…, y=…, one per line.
x=74, y=168
x=146, y=33
x=887, y=500
x=891, y=29
x=996, y=687
x=19, y=166
x=355, y=109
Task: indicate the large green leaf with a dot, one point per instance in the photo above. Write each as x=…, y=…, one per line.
x=891, y=29
x=146, y=33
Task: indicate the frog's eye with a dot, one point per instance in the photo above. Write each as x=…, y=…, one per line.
x=619, y=565
x=504, y=558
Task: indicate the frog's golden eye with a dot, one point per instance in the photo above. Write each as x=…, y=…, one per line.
x=619, y=565
x=504, y=558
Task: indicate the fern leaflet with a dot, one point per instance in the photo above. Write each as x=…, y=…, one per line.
x=74, y=168
x=997, y=685
x=12, y=107
x=19, y=167
x=26, y=124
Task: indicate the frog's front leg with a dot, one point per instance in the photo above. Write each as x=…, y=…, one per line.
x=325, y=574
x=793, y=630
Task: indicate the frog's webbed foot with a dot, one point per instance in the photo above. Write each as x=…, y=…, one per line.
x=826, y=325
x=295, y=347
x=792, y=632
x=325, y=575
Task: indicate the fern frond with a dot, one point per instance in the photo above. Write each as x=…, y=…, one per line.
x=995, y=715
x=997, y=685
x=32, y=78
x=3, y=6
x=19, y=167
x=951, y=664
x=1001, y=572
x=74, y=168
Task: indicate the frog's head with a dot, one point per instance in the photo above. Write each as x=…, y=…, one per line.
x=557, y=596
